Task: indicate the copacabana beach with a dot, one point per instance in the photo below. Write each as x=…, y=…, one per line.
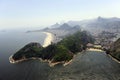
x=48, y=40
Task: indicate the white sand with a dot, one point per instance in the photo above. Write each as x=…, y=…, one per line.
x=92, y=49
x=48, y=39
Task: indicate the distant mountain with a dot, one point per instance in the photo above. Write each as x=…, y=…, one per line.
x=104, y=23
x=67, y=27
x=55, y=25
x=96, y=25
x=99, y=24
x=45, y=28
x=81, y=23
x=99, y=19
x=107, y=19
x=63, y=30
x=75, y=29
x=64, y=26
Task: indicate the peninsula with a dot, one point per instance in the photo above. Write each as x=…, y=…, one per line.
x=60, y=46
x=61, y=52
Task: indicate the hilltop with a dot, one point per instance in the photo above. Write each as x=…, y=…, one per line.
x=63, y=51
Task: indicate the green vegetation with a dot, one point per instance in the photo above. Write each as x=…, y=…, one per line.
x=62, y=54
x=62, y=51
x=77, y=42
x=115, y=49
x=28, y=51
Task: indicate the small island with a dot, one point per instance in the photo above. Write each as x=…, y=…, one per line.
x=60, y=52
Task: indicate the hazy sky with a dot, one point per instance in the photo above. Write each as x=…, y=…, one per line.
x=24, y=13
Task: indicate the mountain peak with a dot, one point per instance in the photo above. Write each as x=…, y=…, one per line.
x=65, y=26
x=100, y=18
x=55, y=25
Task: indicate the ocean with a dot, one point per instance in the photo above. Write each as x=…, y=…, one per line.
x=89, y=65
x=10, y=42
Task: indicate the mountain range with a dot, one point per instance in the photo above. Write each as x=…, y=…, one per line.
x=96, y=25
x=99, y=24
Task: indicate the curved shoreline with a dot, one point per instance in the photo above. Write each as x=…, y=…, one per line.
x=93, y=49
x=50, y=63
x=48, y=40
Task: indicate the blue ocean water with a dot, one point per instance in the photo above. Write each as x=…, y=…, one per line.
x=86, y=66
x=10, y=42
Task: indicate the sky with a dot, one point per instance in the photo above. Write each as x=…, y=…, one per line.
x=41, y=13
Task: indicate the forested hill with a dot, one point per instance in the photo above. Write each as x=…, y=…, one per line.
x=115, y=49
x=61, y=51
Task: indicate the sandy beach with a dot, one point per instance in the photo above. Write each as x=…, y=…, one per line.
x=48, y=39
x=92, y=49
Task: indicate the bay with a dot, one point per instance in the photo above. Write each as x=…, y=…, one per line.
x=10, y=42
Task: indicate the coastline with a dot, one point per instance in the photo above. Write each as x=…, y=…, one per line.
x=50, y=63
x=113, y=58
x=48, y=40
x=92, y=49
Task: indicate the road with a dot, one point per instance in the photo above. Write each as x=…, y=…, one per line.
x=89, y=65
